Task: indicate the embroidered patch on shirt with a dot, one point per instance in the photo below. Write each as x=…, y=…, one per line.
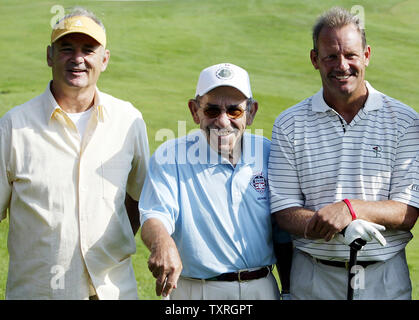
x=259, y=183
x=377, y=151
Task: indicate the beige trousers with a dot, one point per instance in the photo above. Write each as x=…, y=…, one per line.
x=259, y=289
x=312, y=280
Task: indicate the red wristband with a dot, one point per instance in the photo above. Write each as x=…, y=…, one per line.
x=351, y=210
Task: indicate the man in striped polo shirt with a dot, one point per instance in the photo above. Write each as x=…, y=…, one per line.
x=348, y=141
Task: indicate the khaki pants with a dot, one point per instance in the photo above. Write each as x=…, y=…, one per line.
x=259, y=289
x=312, y=280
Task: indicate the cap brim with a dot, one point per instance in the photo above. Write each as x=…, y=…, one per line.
x=223, y=85
x=77, y=31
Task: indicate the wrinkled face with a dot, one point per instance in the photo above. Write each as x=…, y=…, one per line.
x=76, y=61
x=222, y=115
x=341, y=61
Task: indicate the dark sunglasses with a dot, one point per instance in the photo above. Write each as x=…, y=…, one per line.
x=233, y=112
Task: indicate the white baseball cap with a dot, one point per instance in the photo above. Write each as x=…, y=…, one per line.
x=223, y=74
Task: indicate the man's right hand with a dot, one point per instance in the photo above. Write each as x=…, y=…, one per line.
x=164, y=262
x=328, y=221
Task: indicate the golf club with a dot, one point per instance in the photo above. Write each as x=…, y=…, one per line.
x=355, y=246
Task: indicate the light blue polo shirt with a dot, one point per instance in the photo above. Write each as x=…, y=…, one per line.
x=218, y=215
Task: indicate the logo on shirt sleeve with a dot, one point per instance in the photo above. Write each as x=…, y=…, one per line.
x=259, y=183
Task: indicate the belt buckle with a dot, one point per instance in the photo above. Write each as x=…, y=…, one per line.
x=347, y=265
x=238, y=276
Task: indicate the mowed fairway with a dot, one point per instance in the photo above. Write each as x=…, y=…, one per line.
x=158, y=49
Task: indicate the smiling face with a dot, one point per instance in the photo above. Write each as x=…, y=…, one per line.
x=76, y=61
x=341, y=60
x=223, y=131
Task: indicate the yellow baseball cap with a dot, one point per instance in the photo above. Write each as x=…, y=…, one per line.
x=79, y=24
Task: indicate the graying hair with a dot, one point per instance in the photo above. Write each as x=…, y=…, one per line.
x=80, y=11
x=335, y=18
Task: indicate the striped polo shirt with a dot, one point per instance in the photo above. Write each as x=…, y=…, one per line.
x=317, y=158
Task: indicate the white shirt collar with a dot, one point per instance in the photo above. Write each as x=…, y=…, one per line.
x=374, y=100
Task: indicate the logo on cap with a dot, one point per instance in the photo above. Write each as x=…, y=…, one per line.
x=224, y=73
x=78, y=23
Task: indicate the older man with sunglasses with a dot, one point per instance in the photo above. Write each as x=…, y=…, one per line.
x=205, y=206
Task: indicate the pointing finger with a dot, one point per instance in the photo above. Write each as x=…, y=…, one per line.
x=160, y=284
x=373, y=232
x=171, y=281
x=379, y=237
x=379, y=227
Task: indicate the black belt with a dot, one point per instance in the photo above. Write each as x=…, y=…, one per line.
x=243, y=275
x=344, y=264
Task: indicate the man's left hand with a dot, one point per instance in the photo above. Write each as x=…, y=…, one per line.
x=362, y=229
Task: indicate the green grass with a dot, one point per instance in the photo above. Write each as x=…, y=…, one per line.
x=158, y=49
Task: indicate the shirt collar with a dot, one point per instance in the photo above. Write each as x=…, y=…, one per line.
x=52, y=107
x=374, y=100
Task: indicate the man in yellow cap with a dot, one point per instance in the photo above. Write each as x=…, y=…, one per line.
x=72, y=166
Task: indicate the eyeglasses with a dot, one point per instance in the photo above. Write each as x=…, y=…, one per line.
x=233, y=112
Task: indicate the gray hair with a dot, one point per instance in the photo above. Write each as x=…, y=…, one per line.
x=75, y=12
x=80, y=11
x=335, y=18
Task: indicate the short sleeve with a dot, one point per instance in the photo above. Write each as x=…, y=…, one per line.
x=159, y=198
x=404, y=181
x=139, y=168
x=5, y=174
x=285, y=190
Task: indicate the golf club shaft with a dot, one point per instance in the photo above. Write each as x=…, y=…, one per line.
x=352, y=262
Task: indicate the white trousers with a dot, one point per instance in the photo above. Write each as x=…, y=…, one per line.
x=259, y=289
x=312, y=280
